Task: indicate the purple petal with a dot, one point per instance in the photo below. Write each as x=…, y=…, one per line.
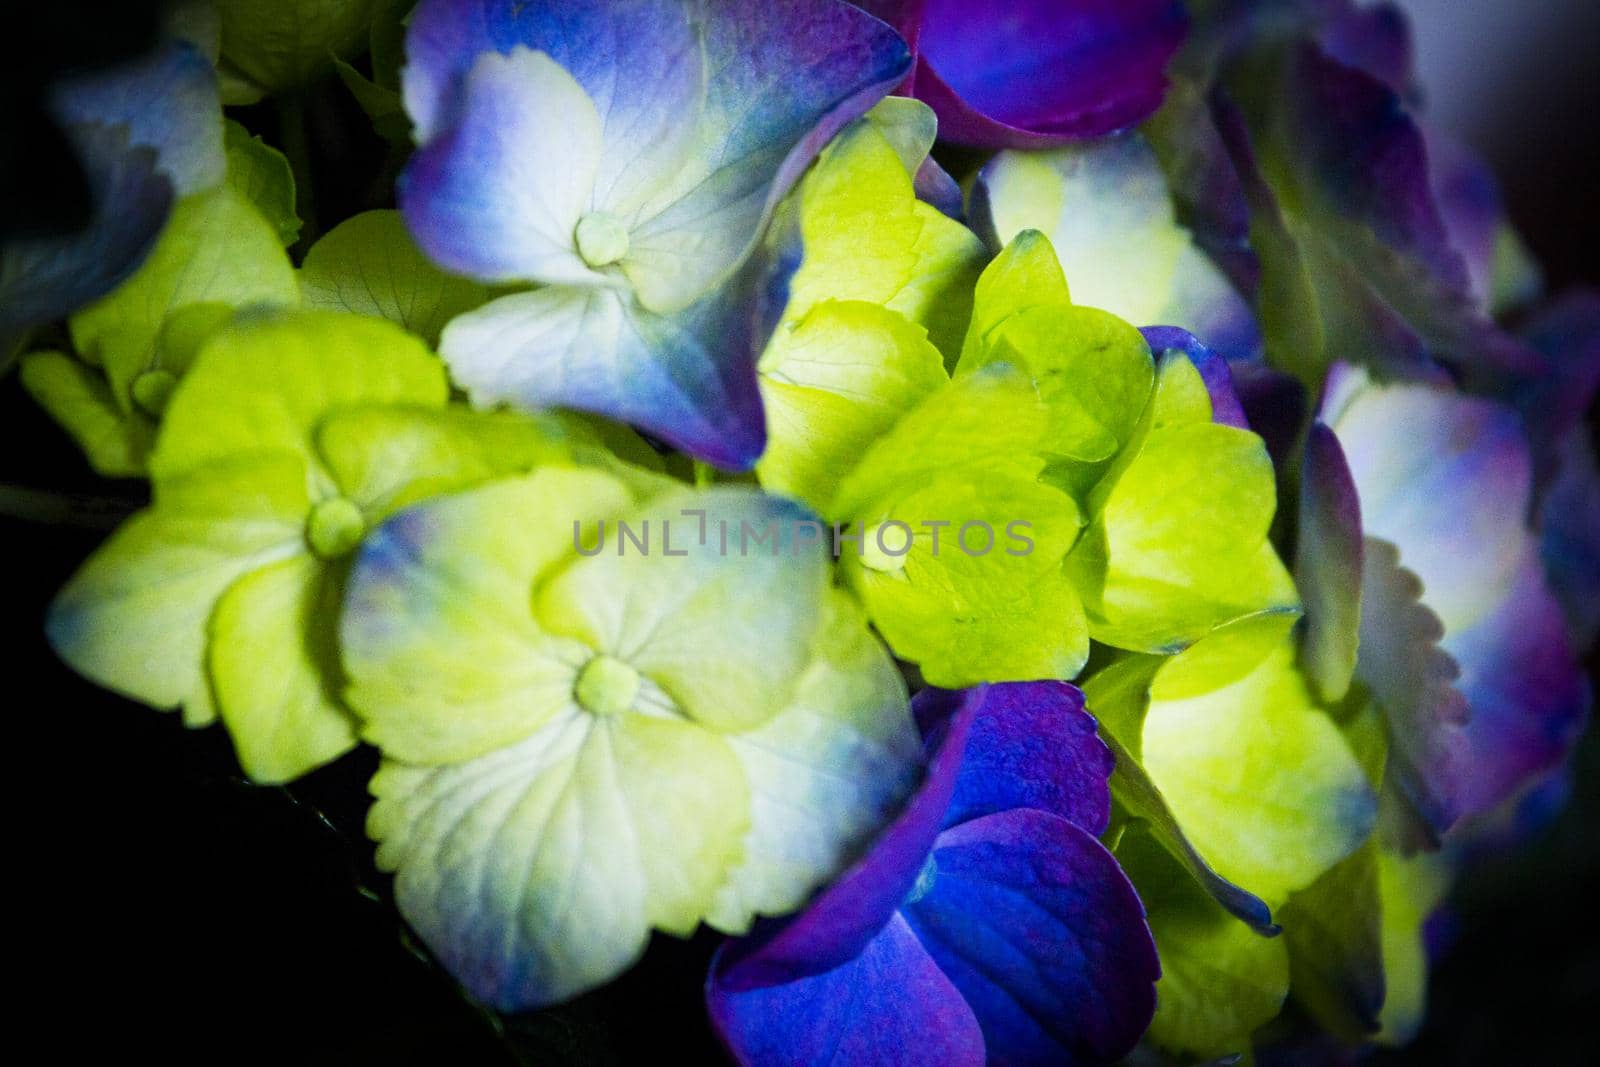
x=1376, y=39
x=1032, y=745
x=1044, y=936
x=1328, y=564
x=1571, y=537
x=1216, y=372
x=1468, y=198
x=846, y=916
x=1274, y=406
x=1528, y=694
x=1030, y=73
x=871, y=1011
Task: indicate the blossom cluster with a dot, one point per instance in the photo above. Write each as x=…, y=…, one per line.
x=1271, y=525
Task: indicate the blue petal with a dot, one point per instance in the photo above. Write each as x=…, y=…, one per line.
x=1032, y=745
x=888, y=1006
x=1035, y=923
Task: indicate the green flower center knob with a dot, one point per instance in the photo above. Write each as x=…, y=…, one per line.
x=602, y=239
x=335, y=528
x=884, y=548
x=152, y=389
x=606, y=686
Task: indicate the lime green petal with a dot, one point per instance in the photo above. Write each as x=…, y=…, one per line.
x=216, y=249
x=274, y=657
x=1094, y=370
x=832, y=384
x=986, y=424
x=77, y=396
x=133, y=618
x=825, y=774
x=1260, y=778
x=1026, y=274
x=867, y=237
x=724, y=622
x=1178, y=544
x=445, y=660
x=1410, y=890
x=980, y=595
x=266, y=382
x=264, y=176
x=370, y=265
x=387, y=457
x=535, y=872
x=1220, y=980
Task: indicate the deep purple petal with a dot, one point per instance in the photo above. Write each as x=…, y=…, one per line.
x=1571, y=536
x=1528, y=694
x=1216, y=372
x=1030, y=73
x=888, y=1006
x=1375, y=38
x=1035, y=923
x=846, y=916
x=1032, y=745
x=1468, y=198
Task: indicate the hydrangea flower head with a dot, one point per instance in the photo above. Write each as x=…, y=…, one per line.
x=624, y=158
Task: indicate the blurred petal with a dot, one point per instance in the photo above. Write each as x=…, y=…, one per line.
x=1037, y=72
x=1042, y=933
x=1328, y=565
x=1106, y=208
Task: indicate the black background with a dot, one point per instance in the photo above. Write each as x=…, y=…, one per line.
x=159, y=905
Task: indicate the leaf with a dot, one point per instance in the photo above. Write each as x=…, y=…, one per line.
x=1328, y=565
x=284, y=44
x=263, y=175
x=369, y=265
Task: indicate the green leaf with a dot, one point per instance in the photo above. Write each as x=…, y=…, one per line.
x=382, y=105
x=832, y=383
x=265, y=382
x=284, y=44
x=216, y=253
x=77, y=396
x=1220, y=980
x=867, y=237
x=264, y=176
x=369, y=265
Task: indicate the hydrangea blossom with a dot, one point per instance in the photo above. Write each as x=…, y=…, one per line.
x=583, y=742
x=623, y=157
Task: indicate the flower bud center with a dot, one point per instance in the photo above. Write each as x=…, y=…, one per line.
x=152, y=389
x=335, y=528
x=602, y=239
x=606, y=686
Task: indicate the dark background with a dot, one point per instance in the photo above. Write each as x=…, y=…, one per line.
x=164, y=907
